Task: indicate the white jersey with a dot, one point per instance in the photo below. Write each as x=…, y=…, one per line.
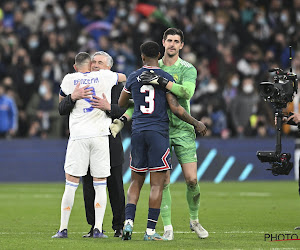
x=85, y=121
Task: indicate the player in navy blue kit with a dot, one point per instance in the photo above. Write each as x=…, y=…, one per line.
x=150, y=135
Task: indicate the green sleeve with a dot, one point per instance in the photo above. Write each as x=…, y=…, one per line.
x=129, y=111
x=187, y=88
x=185, y=91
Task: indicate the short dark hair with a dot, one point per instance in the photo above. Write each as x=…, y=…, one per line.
x=173, y=31
x=81, y=58
x=150, y=49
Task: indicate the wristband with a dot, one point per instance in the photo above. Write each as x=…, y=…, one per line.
x=123, y=119
x=71, y=99
x=163, y=81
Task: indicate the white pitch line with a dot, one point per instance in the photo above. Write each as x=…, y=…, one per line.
x=255, y=194
x=249, y=194
x=175, y=232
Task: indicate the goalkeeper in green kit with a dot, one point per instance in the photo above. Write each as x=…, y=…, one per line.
x=182, y=135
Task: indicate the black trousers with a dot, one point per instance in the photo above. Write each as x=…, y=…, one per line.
x=115, y=193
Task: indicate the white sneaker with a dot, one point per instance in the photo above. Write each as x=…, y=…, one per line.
x=198, y=229
x=169, y=235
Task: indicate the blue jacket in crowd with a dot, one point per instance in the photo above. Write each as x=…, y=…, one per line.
x=8, y=114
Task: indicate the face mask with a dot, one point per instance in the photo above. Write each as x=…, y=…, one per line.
x=261, y=20
x=42, y=90
x=198, y=11
x=283, y=18
x=132, y=20
x=219, y=27
x=81, y=40
x=122, y=12
x=61, y=23
x=28, y=79
x=235, y=82
x=212, y=88
x=45, y=74
x=209, y=19
x=33, y=44
x=50, y=27
x=248, y=89
x=71, y=11
x=143, y=27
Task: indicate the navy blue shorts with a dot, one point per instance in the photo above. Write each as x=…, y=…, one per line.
x=150, y=151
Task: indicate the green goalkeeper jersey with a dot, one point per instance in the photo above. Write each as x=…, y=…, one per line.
x=185, y=75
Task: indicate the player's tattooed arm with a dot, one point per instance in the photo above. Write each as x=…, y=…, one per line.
x=181, y=113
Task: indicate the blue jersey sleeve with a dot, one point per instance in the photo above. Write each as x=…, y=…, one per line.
x=131, y=79
x=170, y=78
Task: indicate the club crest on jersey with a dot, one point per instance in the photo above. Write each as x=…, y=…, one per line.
x=175, y=77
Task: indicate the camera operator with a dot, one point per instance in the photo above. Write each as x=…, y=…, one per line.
x=293, y=119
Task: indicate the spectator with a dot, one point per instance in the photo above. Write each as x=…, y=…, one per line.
x=243, y=106
x=42, y=112
x=221, y=37
x=8, y=115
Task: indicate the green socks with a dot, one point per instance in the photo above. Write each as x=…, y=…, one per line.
x=193, y=199
x=165, y=208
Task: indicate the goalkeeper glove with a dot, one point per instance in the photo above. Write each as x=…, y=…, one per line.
x=151, y=77
x=117, y=125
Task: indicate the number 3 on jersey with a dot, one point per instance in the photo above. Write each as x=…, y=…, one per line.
x=148, y=99
x=86, y=110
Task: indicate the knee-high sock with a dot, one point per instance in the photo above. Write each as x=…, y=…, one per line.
x=67, y=203
x=165, y=208
x=100, y=202
x=153, y=214
x=193, y=199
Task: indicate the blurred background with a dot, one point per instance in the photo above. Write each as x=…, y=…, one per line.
x=232, y=44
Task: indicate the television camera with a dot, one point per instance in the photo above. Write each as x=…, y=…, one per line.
x=279, y=93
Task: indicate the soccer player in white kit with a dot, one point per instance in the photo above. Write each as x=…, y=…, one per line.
x=88, y=142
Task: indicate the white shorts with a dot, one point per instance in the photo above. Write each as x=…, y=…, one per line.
x=93, y=152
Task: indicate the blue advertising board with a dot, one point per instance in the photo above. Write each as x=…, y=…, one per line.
x=218, y=160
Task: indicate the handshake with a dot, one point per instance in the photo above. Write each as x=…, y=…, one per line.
x=151, y=77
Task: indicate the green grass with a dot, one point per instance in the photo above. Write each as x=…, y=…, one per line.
x=237, y=216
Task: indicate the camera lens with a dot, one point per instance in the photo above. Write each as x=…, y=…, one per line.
x=267, y=90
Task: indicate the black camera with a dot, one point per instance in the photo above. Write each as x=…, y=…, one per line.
x=281, y=164
x=279, y=93
x=282, y=90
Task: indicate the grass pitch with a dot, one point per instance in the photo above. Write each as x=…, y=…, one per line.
x=237, y=216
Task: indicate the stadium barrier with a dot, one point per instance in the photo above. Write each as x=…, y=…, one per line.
x=36, y=160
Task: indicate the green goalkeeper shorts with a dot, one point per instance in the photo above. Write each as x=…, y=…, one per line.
x=185, y=148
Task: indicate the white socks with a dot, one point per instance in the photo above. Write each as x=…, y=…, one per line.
x=129, y=221
x=100, y=202
x=67, y=203
x=169, y=227
x=150, y=231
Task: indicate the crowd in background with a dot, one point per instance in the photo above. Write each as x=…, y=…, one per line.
x=232, y=44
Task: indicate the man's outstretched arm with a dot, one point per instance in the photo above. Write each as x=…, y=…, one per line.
x=181, y=113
